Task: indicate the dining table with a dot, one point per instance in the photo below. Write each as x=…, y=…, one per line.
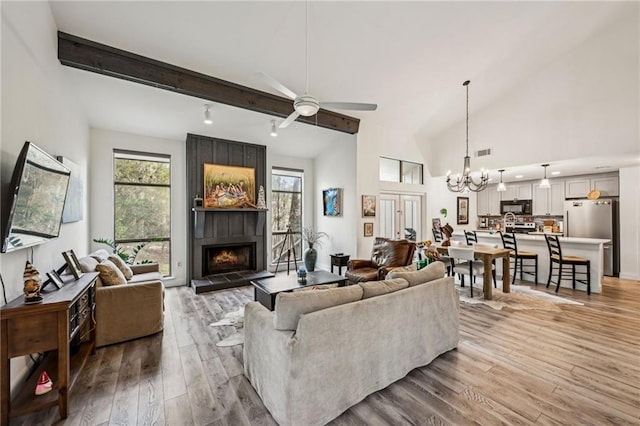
x=487, y=254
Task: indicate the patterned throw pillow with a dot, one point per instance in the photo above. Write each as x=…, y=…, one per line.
x=124, y=268
x=110, y=274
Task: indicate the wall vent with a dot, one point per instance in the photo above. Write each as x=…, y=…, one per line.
x=483, y=152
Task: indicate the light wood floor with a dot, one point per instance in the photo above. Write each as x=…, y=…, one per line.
x=580, y=366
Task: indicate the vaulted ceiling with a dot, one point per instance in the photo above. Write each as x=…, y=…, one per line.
x=408, y=57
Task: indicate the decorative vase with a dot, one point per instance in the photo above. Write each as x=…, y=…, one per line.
x=310, y=256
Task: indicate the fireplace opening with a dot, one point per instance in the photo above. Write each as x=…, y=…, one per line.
x=220, y=259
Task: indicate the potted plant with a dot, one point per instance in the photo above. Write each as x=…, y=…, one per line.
x=312, y=237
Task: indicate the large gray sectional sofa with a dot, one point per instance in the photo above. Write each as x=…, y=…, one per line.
x=320, y=352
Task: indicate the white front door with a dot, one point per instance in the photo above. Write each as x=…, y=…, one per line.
x=401, y=216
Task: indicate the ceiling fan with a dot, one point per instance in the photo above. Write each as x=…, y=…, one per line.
x=308, y=105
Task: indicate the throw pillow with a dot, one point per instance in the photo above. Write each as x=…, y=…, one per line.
x=429, y=273
x=289, y=306
x=124, y=268
x=88, y=264
x=378, y=288
x=100, y=255
x=110, y=274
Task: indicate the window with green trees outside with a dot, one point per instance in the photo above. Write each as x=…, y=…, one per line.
x=142, y=207
x=286, y=211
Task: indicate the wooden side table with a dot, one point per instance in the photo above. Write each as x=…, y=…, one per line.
x=339, y=260
x=62, y=325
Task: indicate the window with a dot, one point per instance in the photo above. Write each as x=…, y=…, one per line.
x=142, y=207
x=392, y=170
x=286, y=212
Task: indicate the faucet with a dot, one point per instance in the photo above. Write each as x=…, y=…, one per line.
x=509, y=219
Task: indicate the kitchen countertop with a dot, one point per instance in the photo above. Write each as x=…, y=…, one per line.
x=537, y=236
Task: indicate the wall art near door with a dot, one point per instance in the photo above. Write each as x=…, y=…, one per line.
x=463, y=210
x=368, y=229
x=368, y=206
x=229, y=186
x=332, y=201
x=74, y=204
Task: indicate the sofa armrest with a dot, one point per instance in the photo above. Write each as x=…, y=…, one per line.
x=359, y=263
x=128, y=311
x=143, y=268
x=384, y=270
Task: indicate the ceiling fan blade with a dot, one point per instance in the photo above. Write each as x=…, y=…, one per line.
x=349, y=105
x=290, y=119
x=277, y=85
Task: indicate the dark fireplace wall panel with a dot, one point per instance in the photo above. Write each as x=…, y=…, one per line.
x=222, y=227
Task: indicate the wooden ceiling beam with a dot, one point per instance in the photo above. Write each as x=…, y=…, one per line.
x=88, y=55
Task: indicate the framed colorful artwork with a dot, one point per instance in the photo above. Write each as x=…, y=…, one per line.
x=229, y=186
x=332, y=201
x=368, y=229
x=463, y=210
x=368, y=206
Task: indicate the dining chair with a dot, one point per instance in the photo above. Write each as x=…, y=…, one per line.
x=438, y=236
x=556, y=257
x=519, y=256
x=493, y=262
x=466, y=264
x=471, y=237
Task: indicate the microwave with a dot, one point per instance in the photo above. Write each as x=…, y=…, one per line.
x=517, y=207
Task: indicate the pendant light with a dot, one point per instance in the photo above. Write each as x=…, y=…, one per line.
x=207, y=115
x=501, y=185
x=274, y=131
x=464, y=182
x=544, y=183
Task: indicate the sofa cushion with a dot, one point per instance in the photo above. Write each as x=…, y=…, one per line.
x=124, y=268
x=316, y=287
x=100, y=255
x=110, y=274
x=430, y=272
x=145, y=277
x=378, y=288
x=289, y=306
x=88, y=264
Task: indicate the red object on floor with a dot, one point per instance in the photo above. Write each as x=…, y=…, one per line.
x=44, y=384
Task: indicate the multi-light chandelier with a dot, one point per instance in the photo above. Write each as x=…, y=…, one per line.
x=464, y=182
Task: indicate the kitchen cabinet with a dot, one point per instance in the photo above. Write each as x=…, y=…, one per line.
x=549, y=201
x=521, y=191
x=579, y=187
x=489, y=201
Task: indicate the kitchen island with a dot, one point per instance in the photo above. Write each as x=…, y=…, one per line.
x=589, y=248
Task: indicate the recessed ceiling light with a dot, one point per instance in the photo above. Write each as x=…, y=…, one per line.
x=555, y=173
x=519, y=176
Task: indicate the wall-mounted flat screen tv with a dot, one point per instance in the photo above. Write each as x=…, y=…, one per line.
x=37, y=195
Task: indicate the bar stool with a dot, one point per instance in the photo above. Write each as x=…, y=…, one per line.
x=471, y=237
x=519, y=256
x=448, y=261
x=555, y=255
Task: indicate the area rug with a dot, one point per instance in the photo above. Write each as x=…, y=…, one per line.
x=234, y=319
x=521, y=297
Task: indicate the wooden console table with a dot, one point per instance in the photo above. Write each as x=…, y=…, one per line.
x=63, y=325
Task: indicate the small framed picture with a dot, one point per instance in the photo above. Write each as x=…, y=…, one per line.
x=368, y=229
x=463, y=210
x=55, y=279
x=368, y=206
x=72, y=263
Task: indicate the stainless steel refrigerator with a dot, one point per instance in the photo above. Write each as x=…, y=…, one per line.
x=595, y=219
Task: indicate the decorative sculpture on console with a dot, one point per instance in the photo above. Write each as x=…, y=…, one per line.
x=447, y=230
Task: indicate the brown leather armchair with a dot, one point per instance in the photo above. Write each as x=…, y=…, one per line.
x=386, y=255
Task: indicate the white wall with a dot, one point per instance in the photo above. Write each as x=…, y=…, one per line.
x=103, y=142
x=36, y=107
x=582, y=104
x=629, y=207
x=334, y=168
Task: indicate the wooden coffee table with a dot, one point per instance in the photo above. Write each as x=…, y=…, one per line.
x=266, y=289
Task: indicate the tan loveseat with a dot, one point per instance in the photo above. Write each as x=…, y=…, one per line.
x=127, y=311
x=321, y=351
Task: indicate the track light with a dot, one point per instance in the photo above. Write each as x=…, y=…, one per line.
x=207, y=115
x=274, y=131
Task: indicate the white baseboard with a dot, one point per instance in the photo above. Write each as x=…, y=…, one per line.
x=629, y=276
